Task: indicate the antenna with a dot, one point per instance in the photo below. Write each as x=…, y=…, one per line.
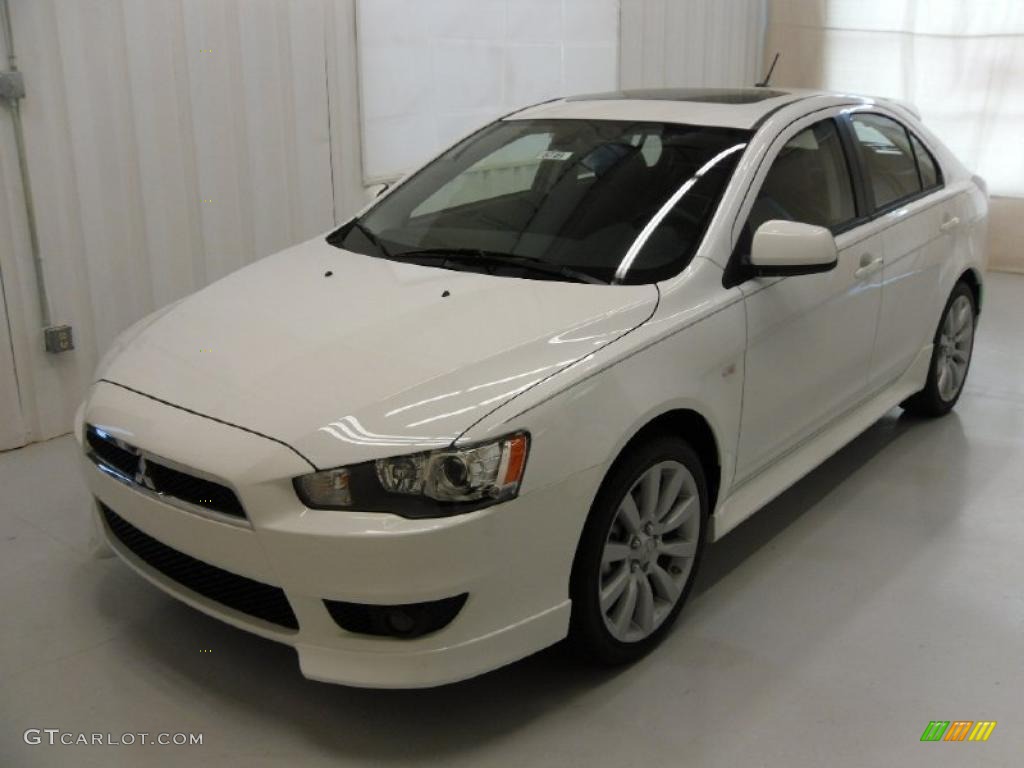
x=768, y=77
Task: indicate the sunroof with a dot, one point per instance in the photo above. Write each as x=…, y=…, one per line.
x=705, y=95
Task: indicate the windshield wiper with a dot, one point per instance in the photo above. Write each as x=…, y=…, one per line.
x=374, y=240
x=497, y=258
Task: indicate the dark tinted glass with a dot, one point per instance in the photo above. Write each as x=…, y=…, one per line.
x=888, y=158
x=926, y=164
x=702, y=95
x=577, y=194
x=808, y=182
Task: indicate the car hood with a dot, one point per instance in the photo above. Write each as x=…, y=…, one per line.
x=347, y=357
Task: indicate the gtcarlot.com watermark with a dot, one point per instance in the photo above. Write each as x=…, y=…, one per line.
x=55, y=736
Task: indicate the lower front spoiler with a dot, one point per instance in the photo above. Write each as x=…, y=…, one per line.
x=390, y=663
x=394, y=668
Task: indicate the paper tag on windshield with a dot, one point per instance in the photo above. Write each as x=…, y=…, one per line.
x=554, y=154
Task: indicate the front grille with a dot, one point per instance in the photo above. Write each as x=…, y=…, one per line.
x=238, y=592
x=165, y=480
x=195, y=490
x=111, y=453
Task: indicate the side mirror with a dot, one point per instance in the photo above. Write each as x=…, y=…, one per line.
x=789, y=248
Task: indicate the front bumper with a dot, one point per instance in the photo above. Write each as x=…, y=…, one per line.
x=513, y=560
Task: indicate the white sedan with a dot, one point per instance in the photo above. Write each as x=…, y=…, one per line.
x=512, y=400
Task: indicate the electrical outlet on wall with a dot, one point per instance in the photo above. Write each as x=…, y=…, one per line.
x=58, y=338
x=12, y=86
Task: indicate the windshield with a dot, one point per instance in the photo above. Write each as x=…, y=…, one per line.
x=594, y=200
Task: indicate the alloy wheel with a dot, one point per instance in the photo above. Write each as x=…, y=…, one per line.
x=955, y=342
x=649, y=551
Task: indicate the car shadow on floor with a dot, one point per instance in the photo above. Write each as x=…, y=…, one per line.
x=261, y=678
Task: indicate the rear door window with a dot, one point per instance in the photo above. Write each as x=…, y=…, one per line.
x=888, y=159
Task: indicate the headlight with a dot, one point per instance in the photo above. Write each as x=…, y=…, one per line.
x=447, y=481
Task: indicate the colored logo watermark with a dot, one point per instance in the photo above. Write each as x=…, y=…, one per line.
x=958, y=730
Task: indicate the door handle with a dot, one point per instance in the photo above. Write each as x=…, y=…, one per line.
x=949, y=224
x=868, y=265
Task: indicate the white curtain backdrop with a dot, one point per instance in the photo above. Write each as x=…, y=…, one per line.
x=430, y=72
x=961, y=62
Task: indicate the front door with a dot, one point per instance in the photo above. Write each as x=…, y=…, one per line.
x=809, y=337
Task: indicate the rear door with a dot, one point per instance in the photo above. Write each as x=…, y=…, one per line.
x=809, y=337
x=905, y=190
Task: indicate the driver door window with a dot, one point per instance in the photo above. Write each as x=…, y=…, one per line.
x=809, y=182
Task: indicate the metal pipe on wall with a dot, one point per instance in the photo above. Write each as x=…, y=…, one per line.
x=13, y=92
x=8, y=37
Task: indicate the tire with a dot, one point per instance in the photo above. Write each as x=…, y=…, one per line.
x=657, y=555
x=951, y=356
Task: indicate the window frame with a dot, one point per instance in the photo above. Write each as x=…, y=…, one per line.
x=940, y=179
x=672, y=271
x=876, y=212
x=848, y=159
x=737, y=271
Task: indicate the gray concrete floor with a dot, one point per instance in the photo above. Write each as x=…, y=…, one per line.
x=883, y=591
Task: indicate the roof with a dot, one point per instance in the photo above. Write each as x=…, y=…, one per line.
x=700, y=95
x=726, y=107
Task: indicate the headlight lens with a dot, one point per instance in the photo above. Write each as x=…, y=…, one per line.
x=325, y=489
x=434, y=483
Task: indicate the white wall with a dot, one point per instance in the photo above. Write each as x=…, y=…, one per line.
x=675, y=43
x=12, y=425
x=430, y=72
x=172, y=141
x=12, y=428
x=961, y=64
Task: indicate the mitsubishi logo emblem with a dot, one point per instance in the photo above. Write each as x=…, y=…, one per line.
x=142, y=475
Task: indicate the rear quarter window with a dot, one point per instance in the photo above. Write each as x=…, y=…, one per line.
x=931, y=177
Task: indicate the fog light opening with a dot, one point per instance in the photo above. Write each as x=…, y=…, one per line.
x=400, y=621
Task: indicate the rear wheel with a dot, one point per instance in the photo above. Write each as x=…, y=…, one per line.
x=639, y=552
x=951, y=356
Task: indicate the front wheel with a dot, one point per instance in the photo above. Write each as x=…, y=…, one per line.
x=639, y=551
x=951, y=357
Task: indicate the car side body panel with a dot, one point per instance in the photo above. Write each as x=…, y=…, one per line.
x=600, y=402
x=809, y=337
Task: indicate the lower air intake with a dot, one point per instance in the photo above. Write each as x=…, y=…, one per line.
x=238, y=592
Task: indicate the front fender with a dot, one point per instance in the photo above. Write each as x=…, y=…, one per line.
x=689, y=355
